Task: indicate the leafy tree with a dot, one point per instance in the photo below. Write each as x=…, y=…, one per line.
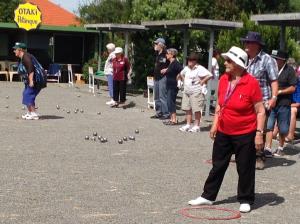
x=7, y=9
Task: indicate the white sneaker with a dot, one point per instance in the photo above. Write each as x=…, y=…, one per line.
x=34, y=116
x=195, y=129
x=200, y=201
x=24, y=116
x=114, y=104
x=110, y=102
x=185, y=128
x=245, y=208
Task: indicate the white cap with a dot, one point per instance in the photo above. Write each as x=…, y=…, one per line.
x=110, y=46
x=118, y=50
x=237, y=55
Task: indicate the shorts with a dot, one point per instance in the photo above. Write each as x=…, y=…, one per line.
x=29, y=95
x=281, y=114
x=194, y=102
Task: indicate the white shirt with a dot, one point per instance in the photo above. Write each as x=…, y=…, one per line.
x=215, y=68
x=108, y=69
x=193, y=77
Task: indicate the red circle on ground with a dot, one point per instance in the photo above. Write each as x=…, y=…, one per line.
x=233, y=214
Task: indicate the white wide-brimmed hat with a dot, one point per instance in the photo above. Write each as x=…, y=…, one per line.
x=110, y=46
x=237, y=55
x=118, y=50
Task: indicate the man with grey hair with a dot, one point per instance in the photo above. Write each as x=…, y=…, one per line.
x=160, y=80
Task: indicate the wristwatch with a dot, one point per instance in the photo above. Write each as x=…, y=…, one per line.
x=279, y=92
x=260, y=131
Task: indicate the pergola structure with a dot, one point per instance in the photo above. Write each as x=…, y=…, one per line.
x=111, y=27
x=195, y=24
x=282, y=19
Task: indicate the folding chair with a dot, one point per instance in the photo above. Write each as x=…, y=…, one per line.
x=91, y=80
x=54, y=73
x=150, y=85
x=13, y=70
x=70, y=75
x=3, y=70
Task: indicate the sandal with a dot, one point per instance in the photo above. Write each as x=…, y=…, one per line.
x=288, y=140
x=170, y=123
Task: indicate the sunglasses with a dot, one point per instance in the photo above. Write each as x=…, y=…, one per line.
x=229, y=61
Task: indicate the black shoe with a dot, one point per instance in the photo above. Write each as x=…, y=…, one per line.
x=156, y=116
x=164, y=117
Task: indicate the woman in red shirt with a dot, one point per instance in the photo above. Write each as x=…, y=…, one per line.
x=121, y=74
x=237, y=129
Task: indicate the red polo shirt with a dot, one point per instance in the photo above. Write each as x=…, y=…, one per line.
x=238, y=116
x=121, y=67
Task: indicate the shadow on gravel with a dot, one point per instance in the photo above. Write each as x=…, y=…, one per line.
x=261, y=199
x=50, y=117
x=273, y=162
x=131, y=104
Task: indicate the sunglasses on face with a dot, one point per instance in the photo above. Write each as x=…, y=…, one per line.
x=229, y=61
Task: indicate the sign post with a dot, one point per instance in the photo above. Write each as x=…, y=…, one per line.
x=28, y=16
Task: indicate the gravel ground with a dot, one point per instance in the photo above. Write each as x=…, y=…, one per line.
x=51, y=174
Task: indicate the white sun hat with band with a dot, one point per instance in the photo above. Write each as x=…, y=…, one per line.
x=237, y=55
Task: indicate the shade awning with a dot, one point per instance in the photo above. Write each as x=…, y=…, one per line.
x=281, y=19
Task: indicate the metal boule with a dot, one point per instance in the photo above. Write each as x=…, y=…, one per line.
x=100, y=137
x=6, y=106
x=105, y=139
x=57, y=107
x=99, y=113
x=95, y=134
x=132, y=138
x=120, y=141
x=78, y=95
x=68, y=111
x=7, y=97
x=75, y=111
x=125, y=138
x=93, y=138
x=81, y=111
x=137, y=131
x=87, y=137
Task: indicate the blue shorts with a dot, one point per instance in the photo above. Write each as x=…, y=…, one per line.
x=281, y=114
x=29, y=95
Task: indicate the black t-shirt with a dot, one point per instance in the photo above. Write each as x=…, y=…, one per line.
x=286, y=79
x=161, y=62
x=27, y=62
x=173, y=70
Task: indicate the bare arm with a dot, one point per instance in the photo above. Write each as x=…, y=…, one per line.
x=274, y=87
x=205, y=80
x=288, y=90
x=260, y=119
x=214, y=127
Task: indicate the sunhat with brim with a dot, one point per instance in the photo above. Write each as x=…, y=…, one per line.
x=19, y=45
x=118, y=50
x=110, y=46
x=280, y=54
x=237, y=55
x=253, y=37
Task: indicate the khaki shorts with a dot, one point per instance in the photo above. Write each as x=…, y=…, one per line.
x=194, y=102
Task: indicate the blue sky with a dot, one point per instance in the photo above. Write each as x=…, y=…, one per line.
x=70, y=5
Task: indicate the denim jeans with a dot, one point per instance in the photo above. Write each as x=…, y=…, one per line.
x=172, y=93
x=110, y=85
x=160, y=96
x=281, y=114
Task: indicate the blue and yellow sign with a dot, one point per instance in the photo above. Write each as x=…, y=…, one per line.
x=28, y=16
